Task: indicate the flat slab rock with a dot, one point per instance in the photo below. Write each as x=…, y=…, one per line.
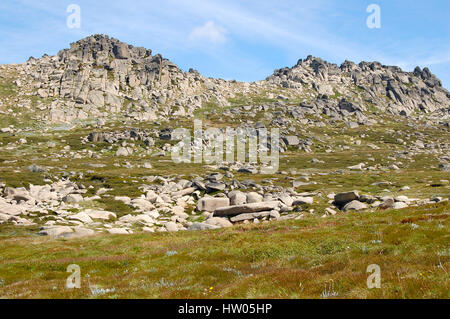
x=202, y=226
x=242, y=217
x=100, y=214
x=55, y=231
x=246, y=209
x=12, y=210
x=119, y=231
x=78, y=232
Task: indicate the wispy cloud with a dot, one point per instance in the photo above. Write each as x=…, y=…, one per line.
x=209, y=33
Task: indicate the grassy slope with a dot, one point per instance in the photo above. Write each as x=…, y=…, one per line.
x=294, y=259
x=291, y=259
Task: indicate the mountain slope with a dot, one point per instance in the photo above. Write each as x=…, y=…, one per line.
x=385, y=87
x=101, y=77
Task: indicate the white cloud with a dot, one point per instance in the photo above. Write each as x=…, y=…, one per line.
x=209, y=33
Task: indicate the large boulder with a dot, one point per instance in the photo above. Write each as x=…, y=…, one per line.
x=302, y=200
x=246, y=209
x=344, y=198
x=210, y=204
x=250, y=216
x=121, y=51
x=82, y=217
x=237, y=198
x=78, y=232
x=214, y=186
x=122, y=151
x=100, y=214
x=96, y=98
x=4, y=217
x=254, y=197
x=11, y=210
x=55, y=231
x=183, y=192
x=142, y=204
x=399, y=205
x=142, y=218
x=219, y=221
x=291, y=140
x=286, y=199
x=355, y=205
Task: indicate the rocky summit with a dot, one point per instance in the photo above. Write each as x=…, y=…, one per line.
x=101, y=77
x=86, y=138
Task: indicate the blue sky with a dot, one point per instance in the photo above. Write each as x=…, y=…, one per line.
x=240, y=39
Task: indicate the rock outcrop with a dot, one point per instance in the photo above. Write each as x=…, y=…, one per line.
x=103, y=78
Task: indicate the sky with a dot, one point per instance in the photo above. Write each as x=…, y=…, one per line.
x=245, y=40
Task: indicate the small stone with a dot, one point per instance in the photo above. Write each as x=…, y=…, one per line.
x=330, y=211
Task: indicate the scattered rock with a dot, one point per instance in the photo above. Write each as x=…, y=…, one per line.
x=55, y=231
x=344, y=198
x=355, y=205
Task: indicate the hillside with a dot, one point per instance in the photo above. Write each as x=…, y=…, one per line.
x=86, y=144
x=101, y=77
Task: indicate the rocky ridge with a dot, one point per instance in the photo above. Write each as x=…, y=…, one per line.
x=386, y=88
x=102, y=77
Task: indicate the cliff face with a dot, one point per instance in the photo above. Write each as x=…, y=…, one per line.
x=101, y=77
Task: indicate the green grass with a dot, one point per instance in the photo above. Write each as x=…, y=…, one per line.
x=293, y=259
x=7, y=89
